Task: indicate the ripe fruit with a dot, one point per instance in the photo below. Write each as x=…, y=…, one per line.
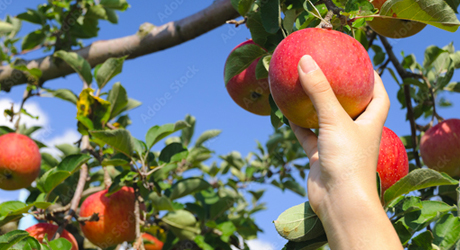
x=20, y=161
x=116, y=217
x=39, y=230
x=344, y=62
x=151, y=242
x=394, y=28
x=248, y=92
x=393, y=163
x=440, y=147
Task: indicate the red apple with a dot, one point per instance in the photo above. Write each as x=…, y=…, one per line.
x=151, y=242
x=394, y=28
x=344, y=62
x=116, y=222
x=248, y=92
x=39, y=230
x=440, y=147
x=393, y=163
x=20, y=161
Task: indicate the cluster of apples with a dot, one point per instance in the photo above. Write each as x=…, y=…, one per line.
x=349, y=70
x=20, y=162
x=116, y=222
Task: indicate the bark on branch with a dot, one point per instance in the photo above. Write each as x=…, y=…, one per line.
x=147, y=40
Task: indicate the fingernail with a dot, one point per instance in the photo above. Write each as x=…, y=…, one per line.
x=307, y=64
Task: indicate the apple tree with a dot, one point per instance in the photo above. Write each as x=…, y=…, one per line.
x=139, y=189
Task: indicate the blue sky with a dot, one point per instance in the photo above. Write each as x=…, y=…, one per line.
x=200, y=61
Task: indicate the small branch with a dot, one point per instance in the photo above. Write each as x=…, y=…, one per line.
x=331, y=6
x=383, y=67
x=78, y=192
x=371, y=37
x=410, y=111
x=139, y=245
x=27, y=95
x=237, y=23
x=93, y=217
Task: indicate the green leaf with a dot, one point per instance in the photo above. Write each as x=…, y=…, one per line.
x=453, y=86
x=261, y=70
x=13, y=210
x=68, y=149
x=160, y=203
x=403, y=231
x=313, y=244
x=156, y=133
x=169, y=151
x=434, y=12
x=227, y=228
x=446, y=231
x=183, y=224
x=430, y=210
x=33, y=39
x=299, y=223
x=188, y=186
x=431, y=54
x=32, y=16
x=132, y=104
x=240, y=59
x=120, y=139
x=5, y=27
x=5, y=130
x=61, y=244
x=64, y=94
x=271, y=16
x=422, y=241
x=201, y=243
x=295, y=187
x=415, y=180
x=207, y=135
x=55, y=176
x=78, y=63
x=109, y=69
x=187, y=132
x=453, y=4
x=242, y=6
x=9, y=239
x=115, y=4
x=379, y=56
x=118, y=99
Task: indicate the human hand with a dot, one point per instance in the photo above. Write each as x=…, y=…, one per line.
x=343, y=158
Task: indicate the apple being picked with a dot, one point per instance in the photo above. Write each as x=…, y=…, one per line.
x=151, y=242
x=116, y=222
x=248, y=92
x=343, y=60
x=39, y=230
x=440, y=147
x=394, y=28
x=393, y=163
x=20, y=161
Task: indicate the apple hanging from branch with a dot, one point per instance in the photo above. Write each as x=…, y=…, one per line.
x=38, y=231
x=20, y=161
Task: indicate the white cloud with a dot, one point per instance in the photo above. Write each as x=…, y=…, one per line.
x=70, y=136
x=31, y=107
x=258, y=244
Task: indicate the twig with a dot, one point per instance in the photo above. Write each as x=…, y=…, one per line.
x=27, y=95
x=78, y=192
x=410, y=111
x=237, y=23
x=139, y=245
x=93, y=217
x=382, y=67
x=331, y=6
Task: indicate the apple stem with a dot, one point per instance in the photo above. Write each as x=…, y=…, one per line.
x=410, y=110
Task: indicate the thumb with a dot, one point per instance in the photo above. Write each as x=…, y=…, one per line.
x=318, y=89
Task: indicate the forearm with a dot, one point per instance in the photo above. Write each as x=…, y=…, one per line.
x=357, y=221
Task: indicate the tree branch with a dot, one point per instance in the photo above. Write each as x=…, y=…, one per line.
x=410, y=110
x=147, y=40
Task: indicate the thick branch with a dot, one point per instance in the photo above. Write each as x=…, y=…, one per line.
x=410, y=110
x=145, y=41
